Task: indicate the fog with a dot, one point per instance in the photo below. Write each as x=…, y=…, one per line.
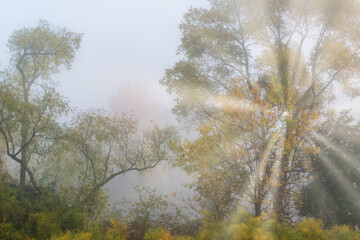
x=125, y=49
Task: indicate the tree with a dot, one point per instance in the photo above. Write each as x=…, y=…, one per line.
x=29, y=103
x=333, y=195
x=286, y=57
x=110, y=146
x=213, y=158
x=98, y=148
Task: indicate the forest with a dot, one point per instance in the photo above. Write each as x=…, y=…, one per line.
x=272, y=155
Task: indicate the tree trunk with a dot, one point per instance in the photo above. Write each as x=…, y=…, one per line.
x=22, y=176
x=24, y=155
x=24, y=139
x=280, y=189
x=260, y=183
x=280, y=193
x=257, y=204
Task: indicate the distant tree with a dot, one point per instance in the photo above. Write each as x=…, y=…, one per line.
x=29, y=104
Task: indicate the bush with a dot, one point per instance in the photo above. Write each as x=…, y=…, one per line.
x=341, y=232
x=282, y=231
x=310, y=229
x=212, y=231
x=158, y=234
x=254, y=229
x=183, y=238
x=42, y=225
x=73, y=219
x=27, y=214
x=73, y=236
x=8, y=232
x=97, y=233
x=117, y=231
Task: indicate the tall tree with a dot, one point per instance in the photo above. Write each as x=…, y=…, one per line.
x=30, y=105
x=288, y=54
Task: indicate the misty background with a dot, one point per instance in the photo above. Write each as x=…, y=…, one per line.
x=126, y=47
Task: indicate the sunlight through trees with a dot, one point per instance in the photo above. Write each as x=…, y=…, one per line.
x=268, y=157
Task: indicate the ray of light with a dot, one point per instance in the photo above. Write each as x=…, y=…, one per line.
x=347, y=156
x=346, y=185
x=218, y=100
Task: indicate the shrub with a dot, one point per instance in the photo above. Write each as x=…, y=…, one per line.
x=97, y=233
x=341, y=232
x=73, y=219
x=8, y=232
x=117, y=231
x=212, y=231
x=282, y=231
x=183, y=238
x=310, y=229
x=73, y=236
x=39, y=216
x=254, y=229
x=42, y=225
x=158, y=234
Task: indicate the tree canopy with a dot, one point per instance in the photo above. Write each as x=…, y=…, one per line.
x=30, y=105
x=276, y=65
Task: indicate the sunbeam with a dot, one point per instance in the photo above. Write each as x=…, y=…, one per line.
x=347, y=156
x=340, y=179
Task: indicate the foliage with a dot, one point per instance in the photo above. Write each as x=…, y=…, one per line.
x=157, y=234
x=24, y=213
x=8, y=232
x=212, y=230
x=183, y=238
x=73, y=219
x=42, y=225
x=310, y=229
x=340, y=232
x=74, y=236
x=180, y=224
x=117, y=231
x=244, y=226
x=151, y=210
